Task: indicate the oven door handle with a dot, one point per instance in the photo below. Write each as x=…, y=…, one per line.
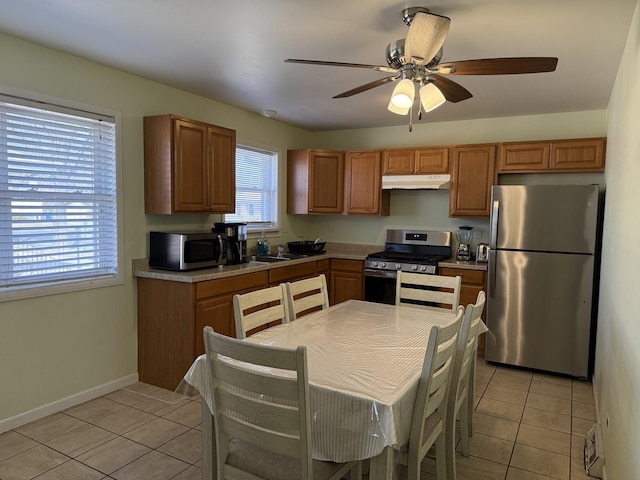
x=380, y=273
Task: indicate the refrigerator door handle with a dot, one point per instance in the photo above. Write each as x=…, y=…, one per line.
x=493, y=242
x=493, y=232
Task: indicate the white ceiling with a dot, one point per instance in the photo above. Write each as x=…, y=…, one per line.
x=233, y=50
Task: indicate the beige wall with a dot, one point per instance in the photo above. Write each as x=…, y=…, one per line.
x=617, y=375
x=56, y=346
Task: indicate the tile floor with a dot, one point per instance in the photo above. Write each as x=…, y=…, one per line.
x=527, y=426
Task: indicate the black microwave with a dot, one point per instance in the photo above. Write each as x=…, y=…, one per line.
x=182, y=251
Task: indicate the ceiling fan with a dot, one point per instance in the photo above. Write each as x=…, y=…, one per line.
x=415, y=62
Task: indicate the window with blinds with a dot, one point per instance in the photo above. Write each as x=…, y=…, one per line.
x=256, y=188
x=58, y=201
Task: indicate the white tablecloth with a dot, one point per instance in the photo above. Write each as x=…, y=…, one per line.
x=364, y=361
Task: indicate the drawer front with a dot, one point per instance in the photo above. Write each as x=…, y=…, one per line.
x=356, y=266
x=214, y=288
x=469, y=277
x=293, y=272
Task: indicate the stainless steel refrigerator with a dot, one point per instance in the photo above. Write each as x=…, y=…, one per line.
x=542, y=275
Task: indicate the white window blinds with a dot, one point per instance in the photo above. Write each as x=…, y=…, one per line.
x=58, y=206
x=256, y=188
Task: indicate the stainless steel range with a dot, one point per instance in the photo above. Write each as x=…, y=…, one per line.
x=417, y=251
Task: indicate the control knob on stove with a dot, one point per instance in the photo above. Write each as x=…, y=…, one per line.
x=414, y=267
x=423, y=268
x=383, y=265
x=398, y=266
x=374, y=264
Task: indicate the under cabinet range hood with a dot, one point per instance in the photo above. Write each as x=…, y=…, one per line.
x=416, y=182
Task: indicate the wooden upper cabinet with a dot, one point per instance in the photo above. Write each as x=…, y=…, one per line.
x=579, y=155
x=523, y=157
x=315, y=181
x=363, y=184
x=585, y=155
x=189, y=166
x=222, y=178
x=472, y=176
x=409, y=161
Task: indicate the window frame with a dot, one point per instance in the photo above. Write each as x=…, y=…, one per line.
x=253, y=228
x=60, y=286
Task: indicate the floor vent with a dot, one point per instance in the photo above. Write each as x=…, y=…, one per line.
x=594, y=452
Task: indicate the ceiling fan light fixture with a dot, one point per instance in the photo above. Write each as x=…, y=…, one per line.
x=399, y=111
x=431, y=97
x=403, y=95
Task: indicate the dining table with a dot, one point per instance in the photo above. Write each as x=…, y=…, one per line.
x=364, y=364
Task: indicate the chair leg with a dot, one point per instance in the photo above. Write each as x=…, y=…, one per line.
x=471, y=389
x=465, y=428
x=450, y=445
x=441, y=457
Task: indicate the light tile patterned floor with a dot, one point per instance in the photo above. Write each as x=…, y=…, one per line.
x=527, y=426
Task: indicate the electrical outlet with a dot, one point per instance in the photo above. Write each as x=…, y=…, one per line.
x=331, y=229
x=477, y=234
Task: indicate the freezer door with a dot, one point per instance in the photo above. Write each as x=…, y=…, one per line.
x=548, y=218
x=539, y=311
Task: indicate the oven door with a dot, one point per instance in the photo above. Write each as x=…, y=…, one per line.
x=380, y=286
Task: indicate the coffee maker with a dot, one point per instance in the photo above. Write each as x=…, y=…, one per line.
x=465, y=236
x=236, y=241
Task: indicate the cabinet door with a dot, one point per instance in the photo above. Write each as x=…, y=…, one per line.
x=222, y=170
x=363, y=184
x=399, y=161
x=432, y=160
x=190, y=167
x=523, y=157
x=586, y=155
x=346, y=281
x=217, y=313
x=472, y=176
x=326, y=180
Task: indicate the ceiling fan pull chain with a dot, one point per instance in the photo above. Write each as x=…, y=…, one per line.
x=411, y=120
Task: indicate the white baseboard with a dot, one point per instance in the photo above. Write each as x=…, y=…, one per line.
x=67, y=402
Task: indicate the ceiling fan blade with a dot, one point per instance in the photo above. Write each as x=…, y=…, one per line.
x=425, y=37
x=379, y=68
x=500, y=66
x=366, y=86
x=452, y=91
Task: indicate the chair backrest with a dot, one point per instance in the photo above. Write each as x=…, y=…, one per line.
x=263, y=401
x=428, y=291
x=467, y=350
x=431, y=399
x=307, y=294
x=254, y=309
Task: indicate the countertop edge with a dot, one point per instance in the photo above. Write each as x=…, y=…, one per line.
x=141, y=267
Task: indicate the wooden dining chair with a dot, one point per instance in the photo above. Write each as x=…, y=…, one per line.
x=261, y=413
x=255, y=309
x=461, y=394
x=305, y=295
x=430, y=409
x=428, y=291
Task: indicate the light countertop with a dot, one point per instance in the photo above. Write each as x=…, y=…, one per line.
x=333, y=251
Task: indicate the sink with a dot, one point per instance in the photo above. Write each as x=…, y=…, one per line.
x=271, y=258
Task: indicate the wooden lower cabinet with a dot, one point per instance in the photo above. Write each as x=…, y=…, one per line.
x=171, y=316
x=473, y=281
x=346, y=280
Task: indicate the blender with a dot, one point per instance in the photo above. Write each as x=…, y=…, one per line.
x=465, y=235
